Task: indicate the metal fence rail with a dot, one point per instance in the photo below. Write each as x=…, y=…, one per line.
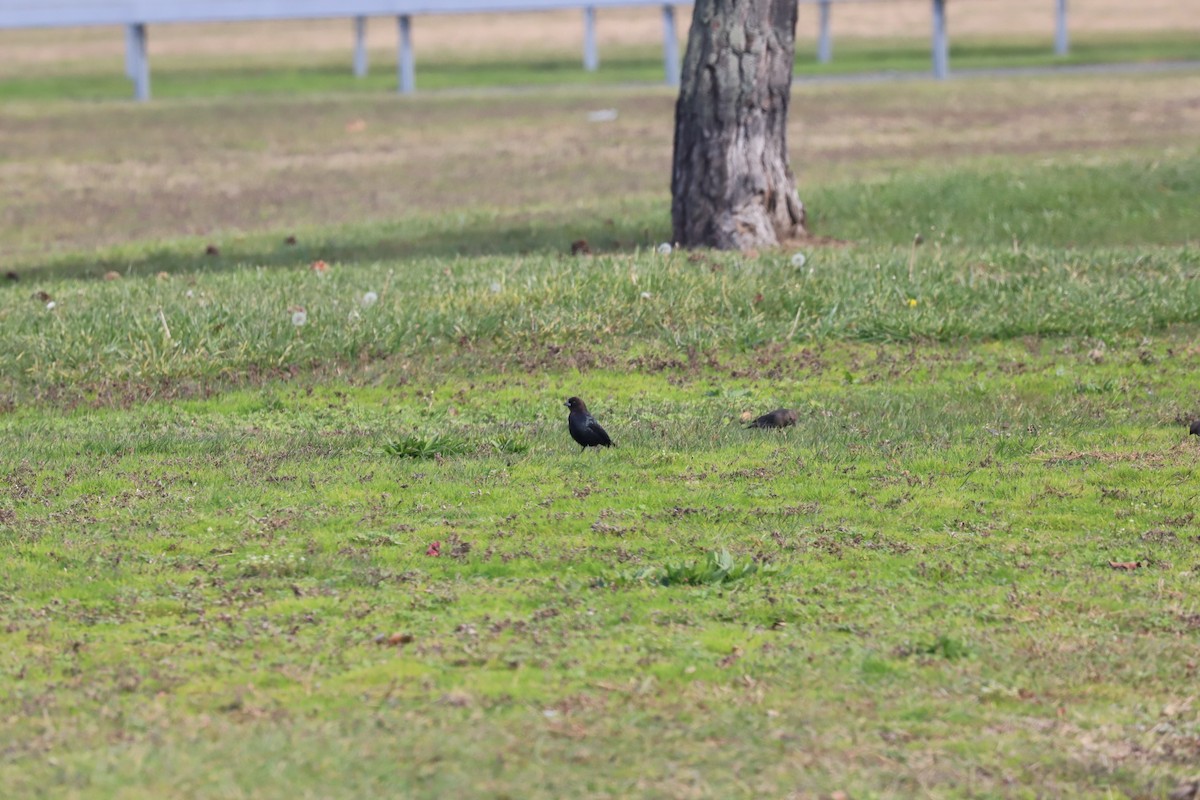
x=136, y=15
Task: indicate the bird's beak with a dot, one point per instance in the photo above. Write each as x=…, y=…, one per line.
x=568, y=405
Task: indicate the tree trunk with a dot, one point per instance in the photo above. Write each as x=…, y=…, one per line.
x=731, y=186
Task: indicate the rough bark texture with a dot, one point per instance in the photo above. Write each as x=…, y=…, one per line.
x=731, y=186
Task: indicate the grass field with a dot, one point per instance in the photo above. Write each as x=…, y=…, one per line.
x=206, y=75
x=360, y=556
x=473, y=52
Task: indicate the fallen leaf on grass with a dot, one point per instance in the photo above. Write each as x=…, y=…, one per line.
x=1124, y=564
x=1174, y=709
x=1189, y=790
x=728, y=660
x=434, y=549
x=458, y=547
x=568, y=730
x=395, y=640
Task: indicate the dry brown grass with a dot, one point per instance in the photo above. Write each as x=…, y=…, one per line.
x=559, y=32
x=80, y=175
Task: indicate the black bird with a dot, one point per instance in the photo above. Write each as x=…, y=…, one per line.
x=779, y=418
x=1195, y=429
x=584, y=428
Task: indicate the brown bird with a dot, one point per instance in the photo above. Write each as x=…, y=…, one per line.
x=779, y=418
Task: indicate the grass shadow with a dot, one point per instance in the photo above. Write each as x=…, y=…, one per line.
x=462, y=236
x=1068, y=205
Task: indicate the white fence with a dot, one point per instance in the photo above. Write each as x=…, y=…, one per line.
x=135, y=15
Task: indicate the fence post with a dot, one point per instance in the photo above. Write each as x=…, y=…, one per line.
x=591, y=55
x=824, y=42
x=130, y=53
x=360, y=47
x=670, y=46
x=941, y=51
x=408, y=80
x=137, y=63
x=1062, y=43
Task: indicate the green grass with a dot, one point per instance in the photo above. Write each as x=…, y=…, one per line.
x=361, y=556
x=205, y=77
x=1004, y=254
x=211, y=576
x=208, y=79
x=999, y=206
x=967, y=53
x=1068, y=207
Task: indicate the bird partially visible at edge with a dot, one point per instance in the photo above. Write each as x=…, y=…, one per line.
x=779, y=418
x=1194, y=430
x=584, y=428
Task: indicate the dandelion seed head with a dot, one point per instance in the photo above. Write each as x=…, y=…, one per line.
x=369, y=299
x=299, y=317
x=664, y=249
x=495, y=287
x=799, y=260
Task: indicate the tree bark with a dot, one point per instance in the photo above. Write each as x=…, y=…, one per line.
x=731, y=185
